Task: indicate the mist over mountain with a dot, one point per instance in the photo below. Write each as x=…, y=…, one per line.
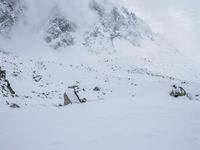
x=38, y=17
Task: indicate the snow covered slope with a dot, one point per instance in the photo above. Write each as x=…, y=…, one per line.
x=124, y=70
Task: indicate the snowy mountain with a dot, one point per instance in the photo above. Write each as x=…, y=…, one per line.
x=10, y=11
x=126, y=73
x=59, y=31
x=116, y=23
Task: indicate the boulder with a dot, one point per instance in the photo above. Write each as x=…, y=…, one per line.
x=67, y=101
x=13, y=105
x=96, y=89
x=177, y=91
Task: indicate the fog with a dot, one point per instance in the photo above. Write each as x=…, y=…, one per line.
x=176, y=19
x=75, y=10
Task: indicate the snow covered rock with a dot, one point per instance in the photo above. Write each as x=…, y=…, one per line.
x=6, y=89
x=96, y=88
x=114, y=23
x=177, y=91
x=12, y=105
x=10, y=11
x=58, y=33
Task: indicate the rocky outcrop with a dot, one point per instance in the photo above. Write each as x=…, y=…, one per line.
x=10, y=11
x=12, y=105
x=36, y=76
x=115, y=23
x=59, y=31
x=2, y=74
x=5, y=87
x=96, y=88
x=67, y=101
x=177, y=91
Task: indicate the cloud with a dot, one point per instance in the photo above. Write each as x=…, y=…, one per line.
x=75, y=10
x=178, y=20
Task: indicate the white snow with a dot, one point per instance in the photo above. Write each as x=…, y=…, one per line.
x=148, y=122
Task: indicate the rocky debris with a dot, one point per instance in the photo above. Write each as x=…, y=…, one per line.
x=8, y=60
x=5, y=87
x=16, y=73
x=10, y=11
x=137, y=70
x=36, y=77
x=59, y=31
x=96, y=88
x=2, y=74
x=177, y=91
x=180, y=92
x=9, y=87
x=26, y=97
x=45, y=95
x=12, y=105
x=115, y=23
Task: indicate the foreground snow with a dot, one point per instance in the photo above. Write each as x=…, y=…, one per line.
x=148, y=122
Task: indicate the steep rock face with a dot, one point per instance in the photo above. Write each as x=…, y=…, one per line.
x=5, y=87
x=10, y=11
x=58, y=33
x=115, y=23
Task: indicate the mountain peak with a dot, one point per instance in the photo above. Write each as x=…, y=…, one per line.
x=10, y=11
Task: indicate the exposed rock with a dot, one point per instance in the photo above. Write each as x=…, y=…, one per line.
x=83, y=100
x=9, y=87
x=66, y=100
x=10, y=11
x=2, y=74
x=59, y=31
x=115, y=23
x=177, y=91
x=96, y=89
x=5, y=87
x=13, y=105
x=37, y=78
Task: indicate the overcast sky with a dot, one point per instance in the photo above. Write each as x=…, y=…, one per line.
x=179, y=20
